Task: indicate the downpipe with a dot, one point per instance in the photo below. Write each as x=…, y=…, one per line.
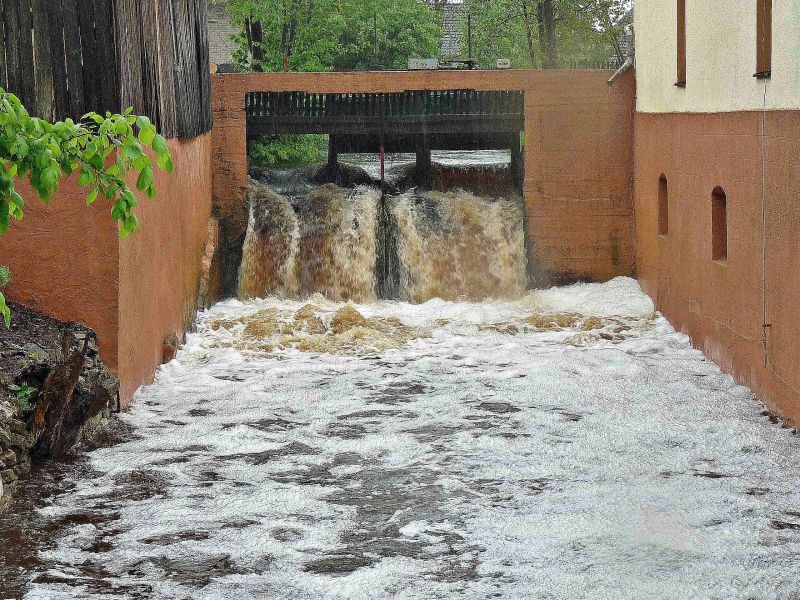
x=626, y=66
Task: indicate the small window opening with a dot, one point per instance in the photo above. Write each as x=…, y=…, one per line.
x=663, y=206
x=719, y=224
x=681, y=80
x=763, y=38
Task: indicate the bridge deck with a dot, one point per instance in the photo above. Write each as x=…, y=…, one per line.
x=479, y=117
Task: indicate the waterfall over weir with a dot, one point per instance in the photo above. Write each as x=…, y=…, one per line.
x=353, y=245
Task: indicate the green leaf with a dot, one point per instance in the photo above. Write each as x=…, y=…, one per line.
x=145, y=179
x=92, y=197
x=143, y=123
x=147, y=135
x=132, y=151
x=160, y=145
x=5, y=311
x=164, y=162
x=129, y=226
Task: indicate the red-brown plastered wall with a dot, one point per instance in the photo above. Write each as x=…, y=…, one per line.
x=64, y=260
x=724, y=305
x=67, y=260
x=579, y=155
x=159, y=267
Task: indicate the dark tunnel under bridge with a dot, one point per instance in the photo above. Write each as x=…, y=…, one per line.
x=415, y=121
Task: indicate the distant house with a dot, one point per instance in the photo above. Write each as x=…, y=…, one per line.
x=454, y=16
x=220, y=32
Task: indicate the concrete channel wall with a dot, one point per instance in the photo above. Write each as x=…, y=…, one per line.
x=578, y=163
x=67, y=260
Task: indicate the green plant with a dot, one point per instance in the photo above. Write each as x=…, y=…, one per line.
x=324, y=35
x=545, y=33
x=5, y=277
x=289, y=150
x=23, y=394
x=100, y=150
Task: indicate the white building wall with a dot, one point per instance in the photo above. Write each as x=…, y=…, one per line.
x=721, y=57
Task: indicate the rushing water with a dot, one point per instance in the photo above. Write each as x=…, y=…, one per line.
x=445, y=245
x=467, y=439
x=568, y=444
x=328, y=246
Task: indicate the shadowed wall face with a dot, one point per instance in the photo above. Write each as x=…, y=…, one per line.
x=578, y=159
x=160, y=266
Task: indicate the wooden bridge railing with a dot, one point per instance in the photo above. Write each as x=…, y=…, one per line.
x=305, y=105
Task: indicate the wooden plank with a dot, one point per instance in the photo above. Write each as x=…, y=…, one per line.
x=43, y=62
x=129, y=60
x=168, y=123
x=3, y=79
x=25, y=83
x=182, y=94
x=148, y=17
x=203, y=65
x=58, y=59
x=188, y=83
x=73, y=53
x=106, y=55
x=11, y=28
x=91, y=63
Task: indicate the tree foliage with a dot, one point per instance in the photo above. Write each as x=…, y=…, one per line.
x=324, y=35
x=100, y=151
x=547, y=33
x=289, y=150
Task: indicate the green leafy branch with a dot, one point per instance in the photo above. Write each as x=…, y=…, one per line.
x=101, y=150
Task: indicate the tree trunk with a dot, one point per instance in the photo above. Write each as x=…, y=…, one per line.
x=55, y=398
x=255, y=38
x=527, y=19
x=548, y=39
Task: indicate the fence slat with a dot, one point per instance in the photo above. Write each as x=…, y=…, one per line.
x=43, y=63
x=12, y=45
x=57, y=59
x=166, y=66
x=106, y=56
x=129, y=60
x=91, y=64
x=202, y=59
x=151, y=88
x=72, y=46
x=27, y=91
x=3, y=79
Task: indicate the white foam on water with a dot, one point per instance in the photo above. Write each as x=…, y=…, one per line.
x=472, y=463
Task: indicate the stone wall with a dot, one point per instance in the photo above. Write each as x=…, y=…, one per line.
x=578, y=163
